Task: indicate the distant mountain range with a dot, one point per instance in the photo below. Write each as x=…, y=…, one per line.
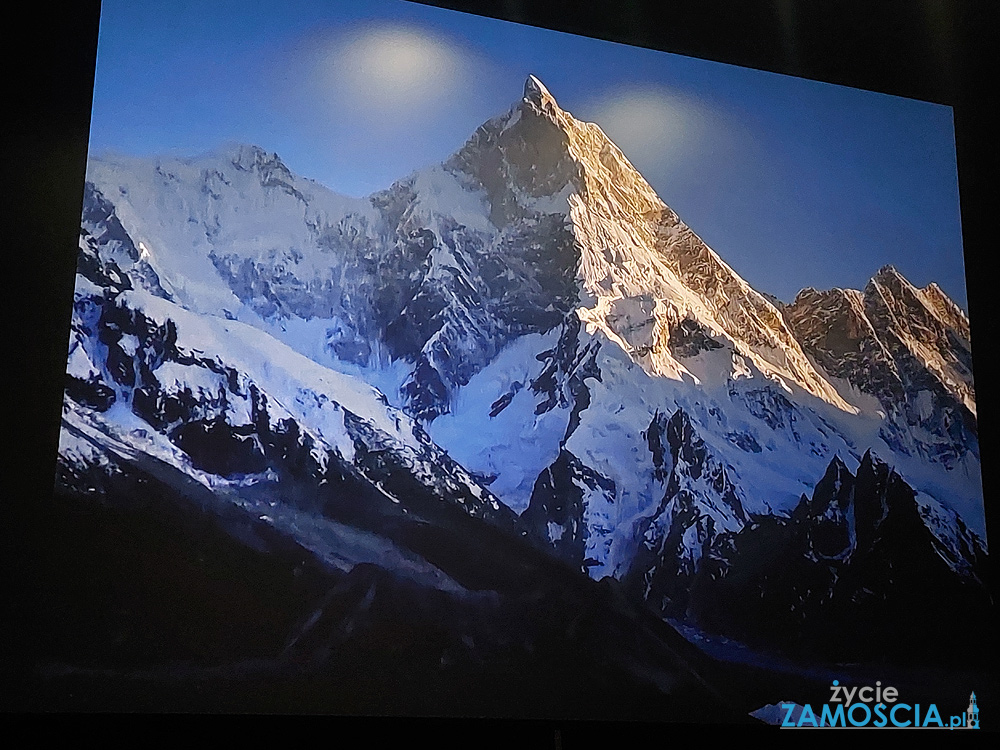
x=525, y=347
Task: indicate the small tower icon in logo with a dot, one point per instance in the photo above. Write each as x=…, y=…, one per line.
x=972, y=714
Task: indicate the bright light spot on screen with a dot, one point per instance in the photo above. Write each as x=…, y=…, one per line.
x=376, y=100
x=653, y=127
x=390, y=69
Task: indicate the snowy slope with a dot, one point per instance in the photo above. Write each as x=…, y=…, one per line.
x=228, y=406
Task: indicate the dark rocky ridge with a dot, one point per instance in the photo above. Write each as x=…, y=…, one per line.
x=853, y=573
x=683, y=538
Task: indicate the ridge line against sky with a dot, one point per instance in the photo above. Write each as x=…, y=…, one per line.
x=794, y=183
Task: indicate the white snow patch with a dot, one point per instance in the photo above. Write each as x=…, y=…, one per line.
x=439, y=193
x=516, y=445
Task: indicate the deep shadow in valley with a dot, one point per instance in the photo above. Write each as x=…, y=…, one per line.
x=155, y=606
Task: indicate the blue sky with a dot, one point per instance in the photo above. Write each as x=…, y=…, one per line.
x=794, y=183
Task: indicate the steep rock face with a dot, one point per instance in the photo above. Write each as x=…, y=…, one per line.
x=108, y=257
x=641, y=282
x=699, y=510
x=283, y=249
x=909, y=348
x=521, y=157
x=556, y=517
x=830, y=516
x=482, y=286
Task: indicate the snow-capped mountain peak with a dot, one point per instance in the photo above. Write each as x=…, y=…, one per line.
x=641, y=269
x=536, y=94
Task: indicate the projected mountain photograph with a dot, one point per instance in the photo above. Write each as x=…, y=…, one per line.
x=427, y=364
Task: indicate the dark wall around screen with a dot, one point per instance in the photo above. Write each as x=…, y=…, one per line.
x=936, y=51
